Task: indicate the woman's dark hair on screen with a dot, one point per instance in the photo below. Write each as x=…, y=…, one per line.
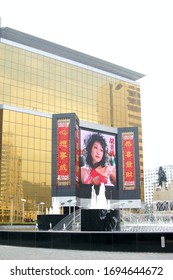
x=91, y=139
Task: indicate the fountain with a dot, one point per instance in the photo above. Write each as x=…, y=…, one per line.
x=99, y=216
x=99, y=201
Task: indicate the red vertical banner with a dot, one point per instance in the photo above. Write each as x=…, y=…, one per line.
x=77, y=156
x=128, y=161
x=63, y=154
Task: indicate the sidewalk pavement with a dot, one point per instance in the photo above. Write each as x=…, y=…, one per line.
x=27, y=253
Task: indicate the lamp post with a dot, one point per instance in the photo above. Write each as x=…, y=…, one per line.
x=130, y=201
x=62, y=208
x=69, y=201
x=38, y=208
x=23, y=208
x=42, y=205
x=11, y=212
x=74, y=205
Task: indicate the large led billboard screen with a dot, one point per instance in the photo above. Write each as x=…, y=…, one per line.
x=97, y=162
x=86, y=156
x=97, y=158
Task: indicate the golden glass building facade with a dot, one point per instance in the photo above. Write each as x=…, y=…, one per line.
x=37, y=79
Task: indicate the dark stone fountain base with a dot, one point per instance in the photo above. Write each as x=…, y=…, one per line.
x=100, y=220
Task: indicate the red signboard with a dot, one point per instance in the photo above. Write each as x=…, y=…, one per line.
x=128, y=161
x=77, y=155
x=63, y=155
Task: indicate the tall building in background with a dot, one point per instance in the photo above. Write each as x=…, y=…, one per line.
x=40, y=78
x=151, y=181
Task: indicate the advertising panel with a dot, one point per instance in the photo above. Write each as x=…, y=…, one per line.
x=97, y=158
x=128, y=161
x=77, y=155
x=63, y=154
x=94, y=165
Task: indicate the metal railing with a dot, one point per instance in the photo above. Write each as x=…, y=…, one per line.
x=130, y=222
x=70, y=222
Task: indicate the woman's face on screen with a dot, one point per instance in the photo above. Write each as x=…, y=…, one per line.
x=96, y=152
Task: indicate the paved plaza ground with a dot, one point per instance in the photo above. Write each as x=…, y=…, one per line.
x=23, y=253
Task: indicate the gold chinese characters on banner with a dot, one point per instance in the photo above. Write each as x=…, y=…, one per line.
x=63, y=152
x=128, y=161
x=77, y=156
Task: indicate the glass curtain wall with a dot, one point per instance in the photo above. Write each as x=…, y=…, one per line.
x=31, y=81
x=25, y=165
